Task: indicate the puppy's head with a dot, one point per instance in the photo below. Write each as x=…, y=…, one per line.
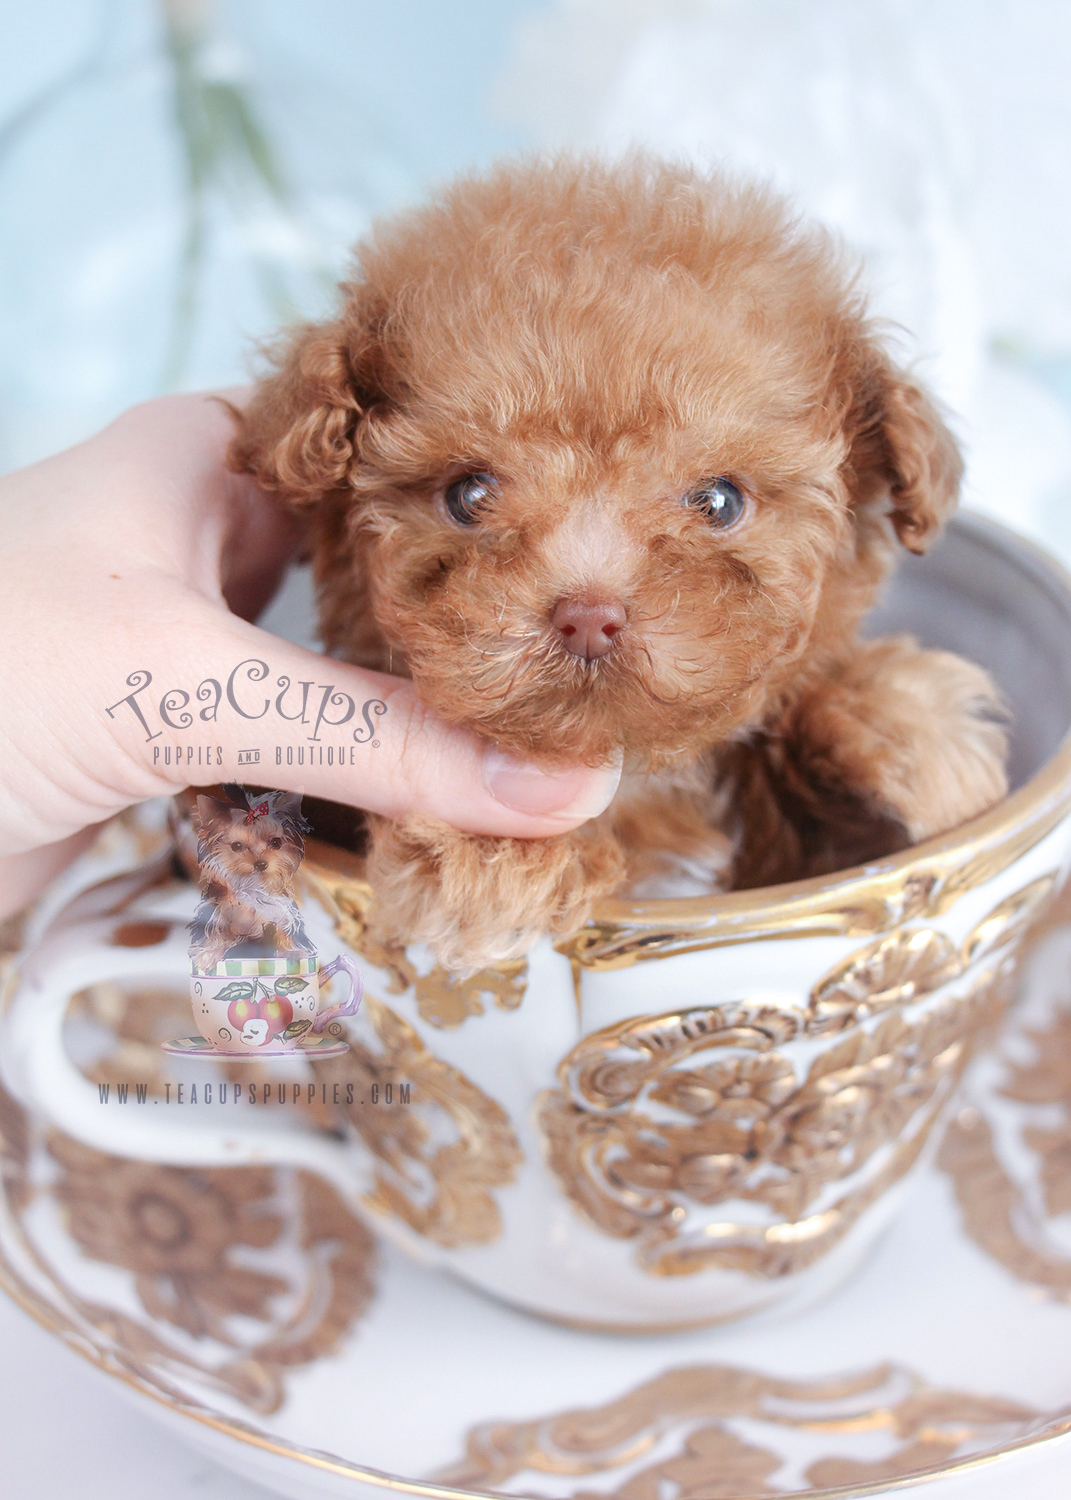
x=261, y=844
x=604, y=457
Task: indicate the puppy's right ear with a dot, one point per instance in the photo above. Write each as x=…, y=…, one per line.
x=297, y=433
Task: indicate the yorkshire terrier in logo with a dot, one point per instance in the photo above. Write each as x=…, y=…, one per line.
x=249, y=849
x=256, y=980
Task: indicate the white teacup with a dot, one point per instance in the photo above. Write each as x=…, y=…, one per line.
x=268, y=1006
x=691, y=1109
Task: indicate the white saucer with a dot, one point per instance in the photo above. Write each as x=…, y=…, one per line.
x=196, y=1046
x=250, y=1310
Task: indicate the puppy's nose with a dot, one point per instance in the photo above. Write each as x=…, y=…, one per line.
x=260, y=864
x=587, y=628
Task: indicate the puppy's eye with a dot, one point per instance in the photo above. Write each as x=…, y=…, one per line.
x=468, y=496
x=719, y=501
x=237, y=848
x=275, y=843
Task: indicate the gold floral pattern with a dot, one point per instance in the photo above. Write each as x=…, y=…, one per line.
x=680, y=1436
x=446, y=1000
x=894, y=971
x=999, y=1211
x=660, y=1119
x=174, y=1229
x=915, y=961
x=1006, y=1207
x=673, y=1439
x=643, y=1139
x=264, y=1270
x=442, y=1146
x=997, y=1214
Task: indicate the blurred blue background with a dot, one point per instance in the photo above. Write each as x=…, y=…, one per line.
x=180, y=177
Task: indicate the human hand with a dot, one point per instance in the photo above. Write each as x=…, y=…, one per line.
x=137, y=554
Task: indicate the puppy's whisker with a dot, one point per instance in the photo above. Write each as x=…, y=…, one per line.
x=652, y=676
x=465, y=632
x=519, y=656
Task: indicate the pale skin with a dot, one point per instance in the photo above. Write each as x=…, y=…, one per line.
x=138, y=551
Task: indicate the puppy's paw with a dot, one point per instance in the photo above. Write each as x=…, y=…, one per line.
x=921, y=732
x=478, y=900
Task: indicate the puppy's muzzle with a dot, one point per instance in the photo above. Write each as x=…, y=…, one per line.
x=588, y=628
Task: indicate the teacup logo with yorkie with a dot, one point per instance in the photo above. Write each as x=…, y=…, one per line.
x=255, y=977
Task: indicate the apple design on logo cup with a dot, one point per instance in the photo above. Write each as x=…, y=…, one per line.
x=260, y=1018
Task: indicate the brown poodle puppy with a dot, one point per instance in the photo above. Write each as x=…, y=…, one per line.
x=610, y=460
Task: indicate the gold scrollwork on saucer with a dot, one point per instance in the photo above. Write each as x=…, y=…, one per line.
x=997, y=1214
x=256, y=1270
x=661, y=1119
x=135, y=1018
x=675, y=1435
x=441, y=1144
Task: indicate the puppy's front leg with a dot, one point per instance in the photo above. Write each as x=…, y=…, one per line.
x=209, y=953
x=916, y=734
x=479, y=900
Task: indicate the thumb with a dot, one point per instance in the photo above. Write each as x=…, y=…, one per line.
x=225, y=701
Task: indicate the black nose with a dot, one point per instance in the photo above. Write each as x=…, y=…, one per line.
x=588, y=627
x=260, y=864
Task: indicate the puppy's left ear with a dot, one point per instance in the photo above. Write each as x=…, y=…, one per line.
x=903, y=448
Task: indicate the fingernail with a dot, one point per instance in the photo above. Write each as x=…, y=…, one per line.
x=580, y=792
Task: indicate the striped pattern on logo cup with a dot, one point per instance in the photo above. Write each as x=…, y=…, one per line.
x=306, y=964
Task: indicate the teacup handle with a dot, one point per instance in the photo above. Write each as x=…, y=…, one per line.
x=36, y=1068
x=352, y=1002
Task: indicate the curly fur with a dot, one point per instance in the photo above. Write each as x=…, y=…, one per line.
x=601, y=338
